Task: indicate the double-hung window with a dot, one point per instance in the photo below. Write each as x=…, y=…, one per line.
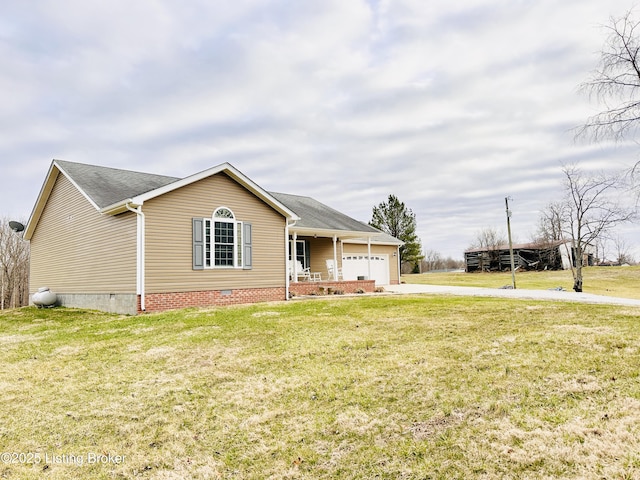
x=220, y=236
x=221, y=241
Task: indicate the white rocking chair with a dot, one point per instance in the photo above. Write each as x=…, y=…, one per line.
x=330, y=270
x=303, y=274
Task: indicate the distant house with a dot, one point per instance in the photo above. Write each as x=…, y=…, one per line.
x=558, y=255
x=128, y=242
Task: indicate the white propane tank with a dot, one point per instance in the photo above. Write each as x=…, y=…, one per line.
x=44, y=298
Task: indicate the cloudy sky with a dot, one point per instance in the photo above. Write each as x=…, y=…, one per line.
x=449, y=105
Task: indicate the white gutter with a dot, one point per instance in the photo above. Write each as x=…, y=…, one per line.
x=329, y=233
x=140, y=253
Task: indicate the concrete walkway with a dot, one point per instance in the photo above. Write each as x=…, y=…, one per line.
x=565, y=296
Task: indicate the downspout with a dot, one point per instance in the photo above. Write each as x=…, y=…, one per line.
x=287, y=248
x=140, y=253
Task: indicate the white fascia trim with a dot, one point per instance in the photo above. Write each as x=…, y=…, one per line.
x=52, y=175
x=233, y=173
x=361, y=241
x=342, y=234
x=45, y=191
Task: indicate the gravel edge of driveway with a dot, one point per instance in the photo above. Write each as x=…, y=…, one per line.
x=558, y=295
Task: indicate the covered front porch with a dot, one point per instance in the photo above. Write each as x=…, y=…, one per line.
x=322, y=256
x=316, y=261
x=327, y=249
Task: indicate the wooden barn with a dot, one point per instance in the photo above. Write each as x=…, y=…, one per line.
x=556, y=255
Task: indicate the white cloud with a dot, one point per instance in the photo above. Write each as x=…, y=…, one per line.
x=449, y=105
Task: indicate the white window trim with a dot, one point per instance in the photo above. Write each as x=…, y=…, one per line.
x=209, y=264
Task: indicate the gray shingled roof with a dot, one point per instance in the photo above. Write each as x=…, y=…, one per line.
x=106, y=186
x=314, y=214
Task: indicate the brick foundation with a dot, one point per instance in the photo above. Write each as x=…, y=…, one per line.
x=347, y=286
x=157, y=302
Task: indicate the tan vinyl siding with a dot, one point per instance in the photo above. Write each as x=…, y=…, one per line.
x=321, y=250
x=377, y=250
x=75, y=249
x=169, y=238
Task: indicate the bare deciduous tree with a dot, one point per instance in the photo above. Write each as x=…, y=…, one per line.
x=591, y=210
x=489, y=238
x=616, y=83
x=14, y=267
x=433, y=260
x=622, y=251
x=550, y=223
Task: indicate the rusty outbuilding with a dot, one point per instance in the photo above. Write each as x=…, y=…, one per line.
x=558, y=255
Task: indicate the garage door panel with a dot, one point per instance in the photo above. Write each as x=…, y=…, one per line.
x=357, y=265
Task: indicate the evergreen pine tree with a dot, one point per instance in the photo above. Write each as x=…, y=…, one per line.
x=395, y=219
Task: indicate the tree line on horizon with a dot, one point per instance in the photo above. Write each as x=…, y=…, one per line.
x=14, y=267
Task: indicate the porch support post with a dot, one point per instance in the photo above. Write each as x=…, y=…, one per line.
x=335, y=257
x=294, y=256
x=369, y=258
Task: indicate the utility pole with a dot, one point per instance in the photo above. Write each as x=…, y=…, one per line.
x=513, y=267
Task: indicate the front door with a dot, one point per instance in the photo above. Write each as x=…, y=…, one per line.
x=302, y=252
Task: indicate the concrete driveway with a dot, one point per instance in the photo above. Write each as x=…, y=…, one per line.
x=565, y=296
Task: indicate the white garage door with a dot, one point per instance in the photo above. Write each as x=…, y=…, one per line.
x=354, y=266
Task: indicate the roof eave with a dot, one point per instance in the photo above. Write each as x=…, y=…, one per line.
x=326, y=232
x=55, y=169
x=119, y=207
x=222, y=168
x=363, y=241
x=41, y=201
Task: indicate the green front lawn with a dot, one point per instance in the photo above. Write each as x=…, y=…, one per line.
x=369, y=387
x=612, y=281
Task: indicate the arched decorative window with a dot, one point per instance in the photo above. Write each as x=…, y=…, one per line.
x=221, y=241
x=224, y=212
x=224, y=238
